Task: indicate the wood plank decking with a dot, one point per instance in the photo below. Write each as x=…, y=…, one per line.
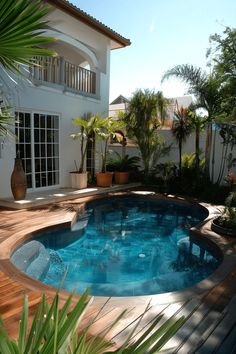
x=210, y=325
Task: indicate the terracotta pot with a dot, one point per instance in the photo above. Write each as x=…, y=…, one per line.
x=104, y=179
x=79, y=180
x=121, y=177
x=222, y=230
x=18, y=181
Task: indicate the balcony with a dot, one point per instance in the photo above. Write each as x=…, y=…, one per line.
x=57, y=71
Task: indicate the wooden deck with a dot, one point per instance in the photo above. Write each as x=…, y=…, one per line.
x=210, y=325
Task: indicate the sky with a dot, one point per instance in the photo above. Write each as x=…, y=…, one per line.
x=164, y=33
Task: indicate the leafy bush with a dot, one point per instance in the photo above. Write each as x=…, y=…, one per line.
x=228, y=217
x=123, y=164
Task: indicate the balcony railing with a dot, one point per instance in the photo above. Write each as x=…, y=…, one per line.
x=56, y=70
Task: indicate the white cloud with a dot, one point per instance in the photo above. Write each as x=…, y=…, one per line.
x=152, y=26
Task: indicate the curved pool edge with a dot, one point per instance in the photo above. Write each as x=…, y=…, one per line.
x=202, y=230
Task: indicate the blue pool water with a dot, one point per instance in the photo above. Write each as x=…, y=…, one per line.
x=124, y=246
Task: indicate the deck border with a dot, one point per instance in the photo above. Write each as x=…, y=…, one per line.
x=202, y=231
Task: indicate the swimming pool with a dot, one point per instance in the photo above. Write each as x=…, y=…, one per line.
x=122, y=246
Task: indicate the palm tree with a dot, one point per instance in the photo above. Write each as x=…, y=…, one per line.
x=107, y=128
x=181, y=128
x=198, y=124
x=142, y=121
x=89, y=125
x=21, y=37
x=162, y=104
x=206, y=89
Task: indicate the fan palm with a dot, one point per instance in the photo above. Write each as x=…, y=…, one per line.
x=22, y=30
x=206, y=89
x=21, y=33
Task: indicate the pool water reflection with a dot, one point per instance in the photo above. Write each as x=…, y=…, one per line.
x=126, y=246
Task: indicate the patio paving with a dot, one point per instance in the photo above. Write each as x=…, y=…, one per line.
x=34, y=199
x=210, y=325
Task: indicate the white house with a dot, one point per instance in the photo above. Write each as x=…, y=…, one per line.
x=64, y=87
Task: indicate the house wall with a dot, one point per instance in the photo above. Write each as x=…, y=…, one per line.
x=82, y=33
x=188, y=147
x=77, y=43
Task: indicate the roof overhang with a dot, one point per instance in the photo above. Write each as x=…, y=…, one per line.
x=118, y=41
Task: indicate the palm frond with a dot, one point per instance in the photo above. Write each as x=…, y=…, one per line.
x=193, y=76
x=7, y=121
x=22, y=30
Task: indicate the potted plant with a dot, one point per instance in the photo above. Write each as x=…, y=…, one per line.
x=108, y=128
x=225, y=224
x=88, y=125
x=122, y=166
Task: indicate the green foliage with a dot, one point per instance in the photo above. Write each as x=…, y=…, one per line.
x=122, y=164
x=7, y=121
x=22, y=28
x=181, y=128
x=162, y=105
x=21, y=35
x=108, y=128
x=223, y=52
x=207, y=91
x=55, y=330
x=89, y=126
x=142, y=121
x=189, y=162
x=228, y=217
x=231, y=200
x=192, y=178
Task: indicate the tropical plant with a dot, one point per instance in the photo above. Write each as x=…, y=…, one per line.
x=222, y=54
x=189, y=162
x=228, y=217
x=227, y=132
x=121, y=163
x=198, y=123
x=166, y=171
x=7, y=122
x=162, y=105
x=108, y=128
x=55, y=330
x=21, y=28
x=141, y=122
x=181, y=128
x=207, y=90
x=89, y=126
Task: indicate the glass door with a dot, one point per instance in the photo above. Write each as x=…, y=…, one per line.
x=38, y=146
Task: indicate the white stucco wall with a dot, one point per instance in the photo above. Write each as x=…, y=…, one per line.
x=188, y=147
x=77, y=43
x=67, y=106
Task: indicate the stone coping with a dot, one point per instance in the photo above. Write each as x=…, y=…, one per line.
x=42, y=198
x=223, y=245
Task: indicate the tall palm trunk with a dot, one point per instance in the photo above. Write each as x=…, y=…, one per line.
x=208, y=149
x=180, y=157
x=197, y=148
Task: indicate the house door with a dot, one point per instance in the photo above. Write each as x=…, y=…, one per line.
x=38, y=147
